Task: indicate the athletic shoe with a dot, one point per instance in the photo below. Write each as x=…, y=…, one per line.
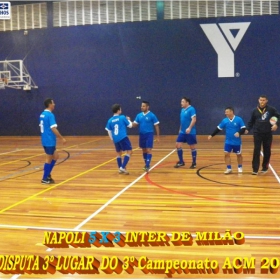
x=179, y=164
x=255, y=173
x=123, y=171
x=193, y=166
x=228, y=171
x=240, y=170
x=146, y=169
x=46, y=181
x=264, y=170
x=51, y=180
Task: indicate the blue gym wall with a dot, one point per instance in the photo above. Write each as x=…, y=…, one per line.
x=86, y=69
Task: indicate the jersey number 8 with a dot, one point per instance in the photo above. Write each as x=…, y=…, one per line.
x=116, y=129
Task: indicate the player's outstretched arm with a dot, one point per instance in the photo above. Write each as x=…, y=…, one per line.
x=134, y=124
x=216, y=131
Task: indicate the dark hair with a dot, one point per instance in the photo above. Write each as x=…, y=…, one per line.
x=48, y=102
x=146, y=102
x=116, y=108
x=187, y=99
x=263, y=96
x=230, y=108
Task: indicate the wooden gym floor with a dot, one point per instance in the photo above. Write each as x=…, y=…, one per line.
x=90, y=195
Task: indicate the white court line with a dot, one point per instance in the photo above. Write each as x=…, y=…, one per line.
x=77, y=228
x=273, y=171
x=14, y=151
x=107, y=203
x=119, y=193
x=116, y=196
x=15, y=276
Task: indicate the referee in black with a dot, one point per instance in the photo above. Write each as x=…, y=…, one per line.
x=262, y=130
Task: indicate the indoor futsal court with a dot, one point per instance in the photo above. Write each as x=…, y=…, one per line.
x=182, y=60
x=90, y=195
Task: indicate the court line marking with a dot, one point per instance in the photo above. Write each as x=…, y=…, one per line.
x=116, y=196
x=3, y=210
x=209, y=199
x=14, y=151
x=87, y=171
x=13, y=161
x=54, y=186
x=273, y=171
x=119, y=193
x=38, y=167
x=123, y=232
x=126, y=188
x=61, y=183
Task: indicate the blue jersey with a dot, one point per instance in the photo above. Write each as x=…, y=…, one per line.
x=47, y=122
x=146, y=122
x=117, y=126
x=232, y=126
x=186, y=118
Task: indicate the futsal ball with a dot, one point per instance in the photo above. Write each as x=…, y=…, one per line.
x=273, y=120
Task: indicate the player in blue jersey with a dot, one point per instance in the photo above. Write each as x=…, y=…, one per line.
x=147, y=121
x=116, y=127
x=234, y=127
x=187, y=132
x=49, y=133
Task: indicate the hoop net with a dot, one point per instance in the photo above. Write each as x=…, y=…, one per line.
x=3, y=82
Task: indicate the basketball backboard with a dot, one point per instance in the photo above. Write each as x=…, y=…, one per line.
x=13, y=74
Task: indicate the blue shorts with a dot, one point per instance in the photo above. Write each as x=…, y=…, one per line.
x=190, y=139
x=146, y=140
x=123, y=145
x=49, y=150
x=232, y=148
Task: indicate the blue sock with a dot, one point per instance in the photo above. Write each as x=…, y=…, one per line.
x=145, y=158
x=194, y=153
x=239, y=165
x=47, y=168
x=125, y=161
x=52, y=165
x=228, y=166
x=180, y=155
x=148, y=162
x=119, y=161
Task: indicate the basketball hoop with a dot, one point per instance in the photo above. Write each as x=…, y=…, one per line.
x=5, y=81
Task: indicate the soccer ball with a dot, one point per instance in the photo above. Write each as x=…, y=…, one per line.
x=273, y=120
